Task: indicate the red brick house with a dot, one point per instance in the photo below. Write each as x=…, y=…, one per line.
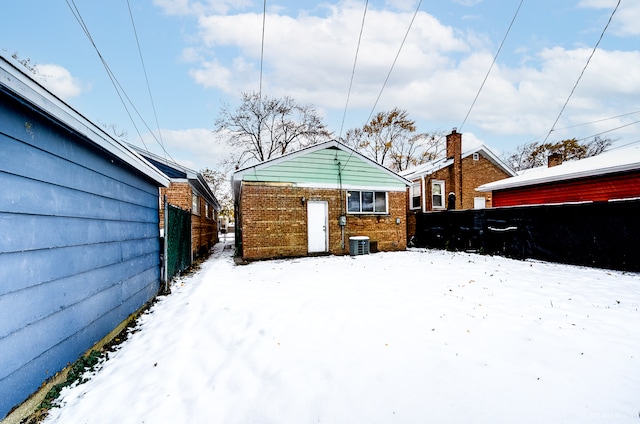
x=613, y=175
x=314, y=200
x=189, y=191
x=450, y=182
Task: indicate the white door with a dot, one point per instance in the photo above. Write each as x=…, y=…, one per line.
x=317, y=226
x=479, y=203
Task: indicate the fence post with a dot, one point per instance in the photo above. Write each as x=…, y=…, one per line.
x=165, y=266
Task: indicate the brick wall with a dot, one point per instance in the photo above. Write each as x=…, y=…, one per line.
x=274, y=221
x=474, y=174
x=204, y=230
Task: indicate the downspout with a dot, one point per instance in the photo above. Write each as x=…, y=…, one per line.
x=424, y=194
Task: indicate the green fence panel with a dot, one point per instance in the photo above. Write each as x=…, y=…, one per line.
x=178, y=240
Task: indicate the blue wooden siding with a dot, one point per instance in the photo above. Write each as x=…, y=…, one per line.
x=79, y=247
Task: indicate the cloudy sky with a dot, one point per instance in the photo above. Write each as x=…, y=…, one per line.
x=201, y=55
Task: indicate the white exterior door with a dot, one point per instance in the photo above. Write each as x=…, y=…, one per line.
x=317, y=226
x=479, y=203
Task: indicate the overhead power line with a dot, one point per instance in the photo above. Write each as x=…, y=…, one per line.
x=114, y=81
x=264, y=18
x=594, y=122
x=146, y=78
x=388, y=74
x=492, y=63
x=394, y=62
x=353, y=71
x=583, y=70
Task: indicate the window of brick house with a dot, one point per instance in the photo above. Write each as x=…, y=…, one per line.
x=437, y=194
x=415, y=192
x=366, y=201
x=206, y=210
x=195, y=204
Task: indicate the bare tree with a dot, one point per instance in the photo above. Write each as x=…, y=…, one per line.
x=390, y=139
x=416, y=150
x=264, y=128
x=536, y=154
x=219, y=183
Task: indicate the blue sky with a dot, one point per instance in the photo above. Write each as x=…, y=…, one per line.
x=200, y=55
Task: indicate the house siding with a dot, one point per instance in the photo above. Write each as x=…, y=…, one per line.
x=322, y=168
x=596, y=189
x=274, y=221
x=204, y=230
x=79, y=250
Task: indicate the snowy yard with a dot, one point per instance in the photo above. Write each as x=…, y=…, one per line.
x=410, y=337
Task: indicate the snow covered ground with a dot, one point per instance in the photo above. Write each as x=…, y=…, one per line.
x=410, y=337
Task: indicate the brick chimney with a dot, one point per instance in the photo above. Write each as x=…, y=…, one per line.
x=454, y=151
x=454, y=144
x=554, y=159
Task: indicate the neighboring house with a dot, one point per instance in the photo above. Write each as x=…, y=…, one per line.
x=79, y=245
x=612, y=175
x=189, y=191
x=312, y=201
x=460, y=172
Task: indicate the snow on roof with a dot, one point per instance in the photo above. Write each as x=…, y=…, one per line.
x=237, y=175
x=617, y=160
x=441, y=163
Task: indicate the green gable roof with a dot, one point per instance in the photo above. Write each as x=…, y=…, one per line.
x=326, y=165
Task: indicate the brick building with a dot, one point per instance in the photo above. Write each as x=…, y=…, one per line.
x=450, y=182
x=312, y=201
x=189, y=191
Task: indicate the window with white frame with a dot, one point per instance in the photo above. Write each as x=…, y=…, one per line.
x=366, y=201
x=415, y=194
x=206, y=210
x=437, y=194
x=195, y=204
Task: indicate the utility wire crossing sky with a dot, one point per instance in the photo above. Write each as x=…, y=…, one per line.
x=505, y=73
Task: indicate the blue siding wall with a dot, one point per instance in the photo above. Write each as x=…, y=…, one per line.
x=79, y=247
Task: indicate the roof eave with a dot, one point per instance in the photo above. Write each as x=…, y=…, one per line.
x=24, y=87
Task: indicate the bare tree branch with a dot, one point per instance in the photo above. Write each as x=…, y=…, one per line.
x=263, y=128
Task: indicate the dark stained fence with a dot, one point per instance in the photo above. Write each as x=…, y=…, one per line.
x=177, y=240
x=603, y=235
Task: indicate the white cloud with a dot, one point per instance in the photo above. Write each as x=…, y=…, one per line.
x=403, y=5
x=468, y=2
x=436, y=77
x=213, y=75
x=625, y=21
x=60, y=81
x=197, y=8
x=311, y=57
x=195, y=148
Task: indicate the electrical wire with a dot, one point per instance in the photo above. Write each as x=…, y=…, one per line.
x=583, y=70
x=492, y=63
x=114, y=81
x=394, y=61
x=146, y=77
x=598, y=120
x=85, y=29
x=353, y=71
x=608, y=131
x=264, y=18
x=388, y=74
